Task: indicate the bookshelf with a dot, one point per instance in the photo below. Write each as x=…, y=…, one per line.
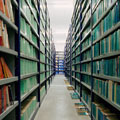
x=68, y=56
x=95, y=56
x=59, y=62
x=27, y=57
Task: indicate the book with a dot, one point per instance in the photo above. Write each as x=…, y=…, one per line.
x=27, y=107
x=10, y=9
x=6, y=8
x=6, y=70
x=3, y=35
x=1, y=71
x=2, y=9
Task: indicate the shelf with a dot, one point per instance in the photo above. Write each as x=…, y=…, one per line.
x=42, y=98
x=107, y=55
x=8, y=51
x=86, y=85
x=85, y=49
x=34, y=112
x=86, y=73
x=23, y=14
x=86, y=36
x=28, y=93
x=86, y=105
x=29, y=40
x=108, y=32
x=101, y=76
x=8, y=80
x=32, y=11
x=29, y=75
x=85, y=61
x=8, y=110
x=42, y=82
x=108, y=101
x=8, y=22
x=29, y=58
x=106, y=12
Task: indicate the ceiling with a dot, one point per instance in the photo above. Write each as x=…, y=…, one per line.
x=60, y=12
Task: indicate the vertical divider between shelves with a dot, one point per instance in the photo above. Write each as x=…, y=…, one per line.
x=18, y=16
x=92, y=97
x=70, y=56
x=39, y=54
x=80, y=53
x=45, y=46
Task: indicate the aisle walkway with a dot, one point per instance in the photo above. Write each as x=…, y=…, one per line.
x=58, y=104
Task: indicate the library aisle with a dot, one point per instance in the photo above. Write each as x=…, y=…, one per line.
x=58, y=104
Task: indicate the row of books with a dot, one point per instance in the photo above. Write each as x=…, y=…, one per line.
x=84, y=4
x=77, y=50
x=6, y=98
x=73, y=55
x=48, y=74
x=29, y=14
x=77, y=59
x=42, y=67
x=86, y=55
x=25, y=28
x=27, y=66
x=101, y=9
x=87, y=17
x=109, y=67
x=108, y=89
x=27, y=84
x=27, y=49
x=78, y=88
x=102, y=112
x=86, y=42
x=102, y=87
x=6, y=9
x=78, y=75
x=42, y=57
x=42, y=77
x=77, y=67
x=33, y=4
x=34, y=40
x=107, y=45
x=4, y=35
x=86, y=96
x=84, y=11
x=86, y=79
x=42, y=48
x=42, y=92
x=113, y=17
x=86, y=67
x=73, y=67
x=27, y=107
x=86, y=31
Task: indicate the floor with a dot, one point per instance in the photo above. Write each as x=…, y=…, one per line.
x=58, y=104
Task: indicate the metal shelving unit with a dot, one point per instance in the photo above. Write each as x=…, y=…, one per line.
x=83, y=59
x=45, y=54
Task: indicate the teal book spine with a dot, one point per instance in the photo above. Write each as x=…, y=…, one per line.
x=118, y=94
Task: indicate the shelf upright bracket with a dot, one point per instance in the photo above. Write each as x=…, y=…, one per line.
x=18, y=16
x=39, y=55
x=92, y=95
x=80, y=53
x=46, y=46
x=70, y=54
